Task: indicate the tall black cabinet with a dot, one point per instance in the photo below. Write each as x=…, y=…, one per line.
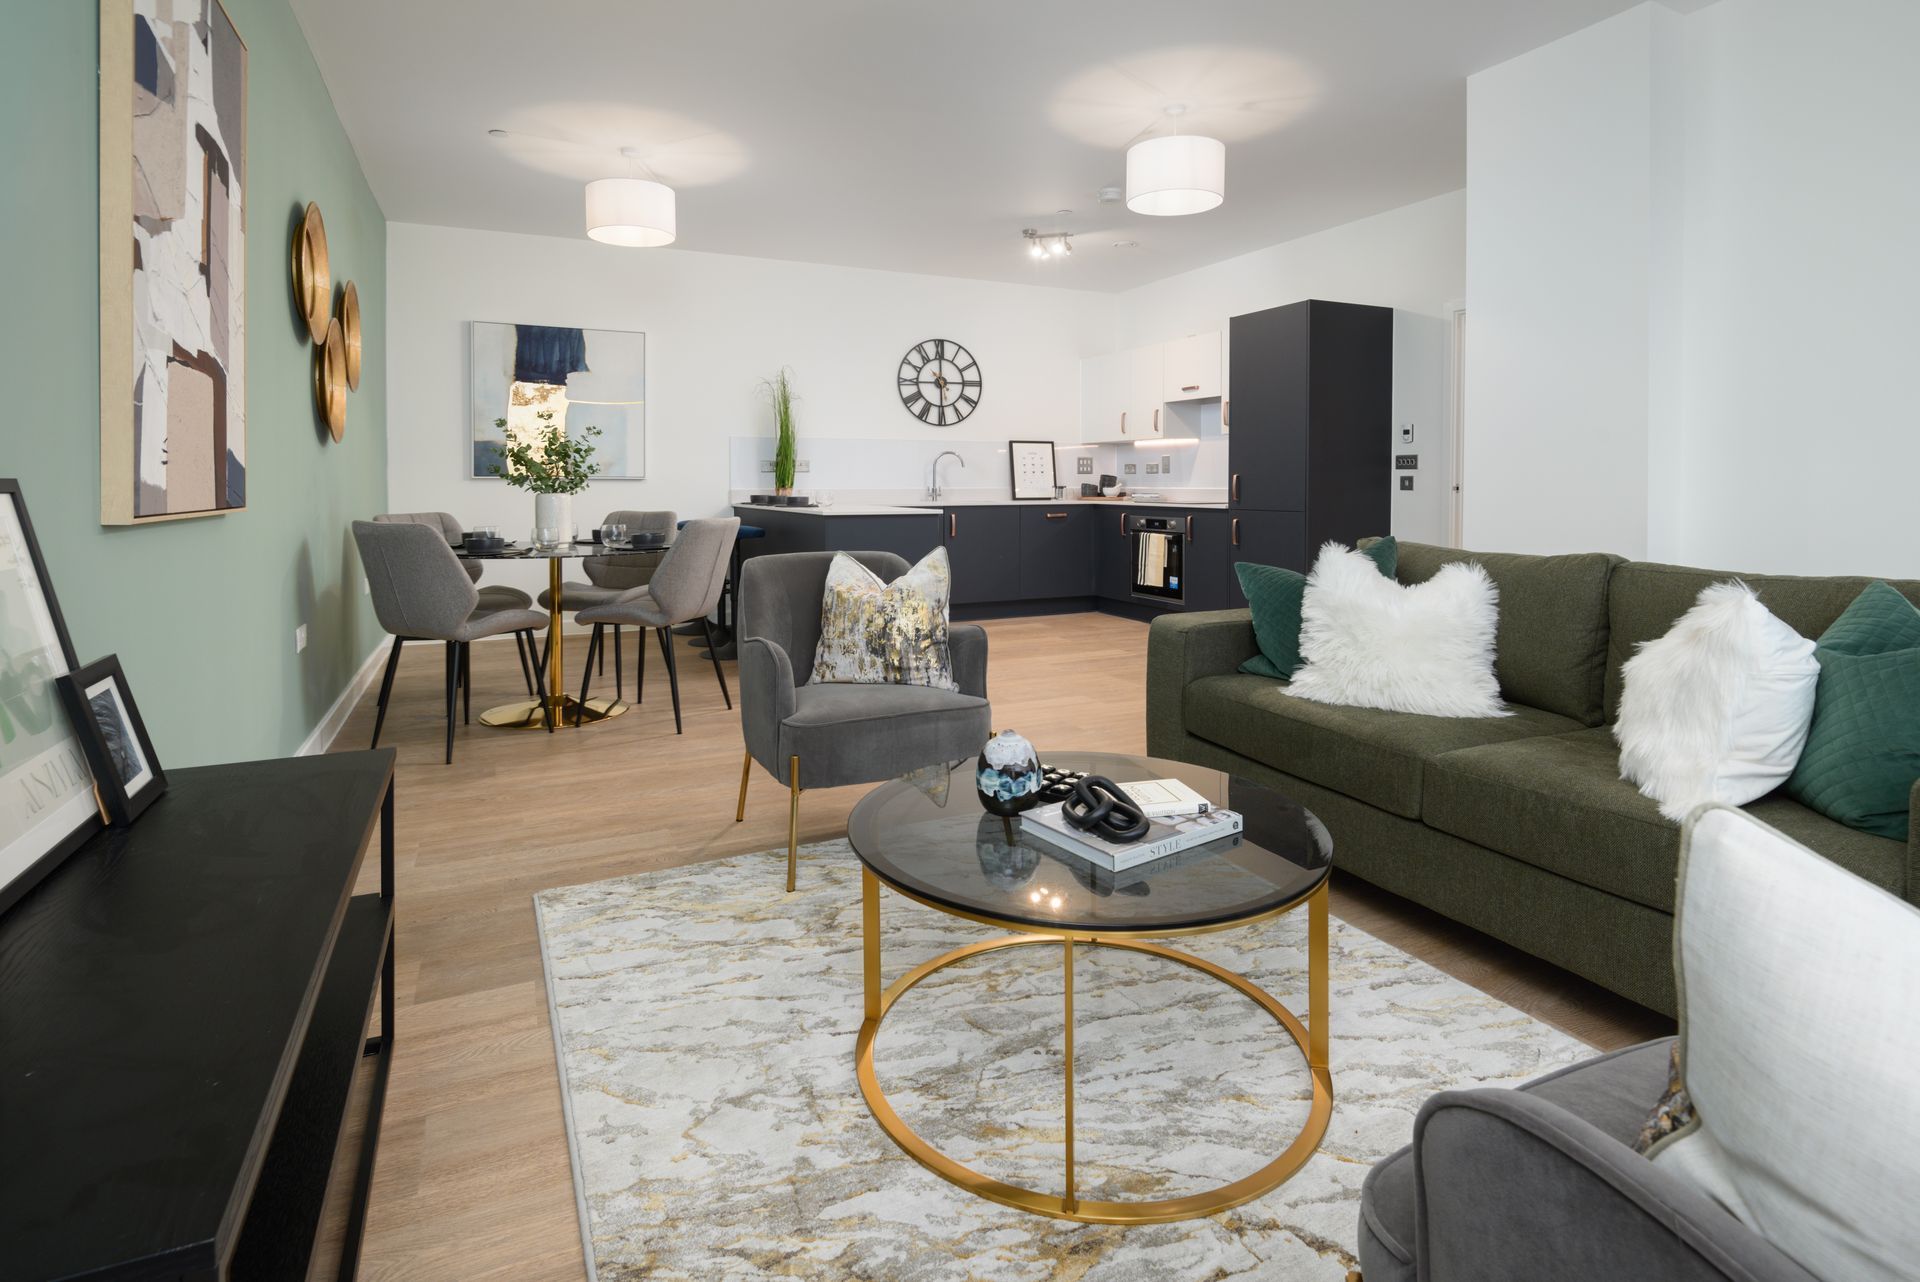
x=1310, y=441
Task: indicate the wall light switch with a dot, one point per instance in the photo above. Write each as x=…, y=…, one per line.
x=1406, y=482
x=801, y=465
x=766, y=465
x=1406, y=433
x=1406, y=462
x=300, y=638
x=1083, y=466
x=1166, y=462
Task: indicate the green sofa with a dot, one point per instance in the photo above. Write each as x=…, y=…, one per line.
x=1517, y=826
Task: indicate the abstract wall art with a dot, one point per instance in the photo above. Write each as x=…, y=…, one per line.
x=587, y=377
x=173, y=228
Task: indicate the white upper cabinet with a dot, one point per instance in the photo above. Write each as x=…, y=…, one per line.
x=1123, y=395
x=1192, y=368
x=1146, y=370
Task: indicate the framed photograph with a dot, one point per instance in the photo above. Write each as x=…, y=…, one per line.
x=1032, y=465
x=173, y=261
x=46, y=791
x=584, y=377
x=114, y=738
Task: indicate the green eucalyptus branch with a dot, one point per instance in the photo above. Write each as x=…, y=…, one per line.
x=551, y=462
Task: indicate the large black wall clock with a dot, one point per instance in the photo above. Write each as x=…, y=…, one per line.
x=939, y=382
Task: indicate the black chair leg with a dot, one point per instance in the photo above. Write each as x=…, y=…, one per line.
x=619, y=685
x=713, y=652
x=520, y=648
x=466, y=682
x=603, y=654
x=386, y=689
x=673, y=674
x=453, y=692
x=586, y=672
x=640, y=668
x=540, y=688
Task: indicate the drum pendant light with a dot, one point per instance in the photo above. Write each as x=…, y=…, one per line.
x=1178, y=174
x=634, y=212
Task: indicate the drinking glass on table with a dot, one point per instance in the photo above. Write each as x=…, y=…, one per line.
x=823, y=498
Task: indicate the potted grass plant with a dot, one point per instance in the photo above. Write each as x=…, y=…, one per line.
x=553, y=465
x=779, y=390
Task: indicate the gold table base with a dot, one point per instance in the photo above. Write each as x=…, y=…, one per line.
x=524, y=714
x=1068, y=1205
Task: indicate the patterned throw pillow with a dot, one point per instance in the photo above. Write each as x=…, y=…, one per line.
x=874, y=633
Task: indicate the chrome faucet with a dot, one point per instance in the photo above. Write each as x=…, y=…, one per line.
x=933, y=477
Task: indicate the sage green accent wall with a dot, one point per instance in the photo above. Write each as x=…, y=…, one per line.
x=201, y=612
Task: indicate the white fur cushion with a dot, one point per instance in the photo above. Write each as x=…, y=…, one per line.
x=1718, y=708
x=1370, y=643
x=1798, y=1046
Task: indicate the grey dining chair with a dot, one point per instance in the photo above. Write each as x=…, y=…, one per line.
x=685, y=588
x=493, y=596
x=826, y=735
x=421, y=592
x=610, y=576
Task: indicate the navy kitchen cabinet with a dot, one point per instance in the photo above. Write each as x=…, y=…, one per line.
x=1112, y=553
x=1208, y=560
x=983, y=548
x=1056, y=550
x=1264, y=538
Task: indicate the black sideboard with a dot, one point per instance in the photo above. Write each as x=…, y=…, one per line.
x=184, y=1006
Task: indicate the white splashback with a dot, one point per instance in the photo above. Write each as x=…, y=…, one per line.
x=843, y=465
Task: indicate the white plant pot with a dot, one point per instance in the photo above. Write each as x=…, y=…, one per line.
x=553, y=512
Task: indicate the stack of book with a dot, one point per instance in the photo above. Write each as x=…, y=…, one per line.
x=1180, y=819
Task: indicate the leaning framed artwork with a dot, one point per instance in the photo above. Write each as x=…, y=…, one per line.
x=173, y=230
x=586, y=377
x=47, y=804
x=1031, y=465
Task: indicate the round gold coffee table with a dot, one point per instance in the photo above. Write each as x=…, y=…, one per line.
x=946, y=855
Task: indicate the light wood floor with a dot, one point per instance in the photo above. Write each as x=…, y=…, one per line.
x=473, y=1180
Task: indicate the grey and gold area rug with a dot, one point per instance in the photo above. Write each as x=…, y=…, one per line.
x=705, y=1023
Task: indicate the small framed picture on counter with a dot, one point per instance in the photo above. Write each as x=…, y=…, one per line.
x=114, y=739
x=1032, y=466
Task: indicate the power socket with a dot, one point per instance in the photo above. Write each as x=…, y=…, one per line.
x=1166, y=462
x=1153, y=469
x=1128, y=469
x=1083, y=466
x=300, y=638
x=766, y=466
x=801, y=465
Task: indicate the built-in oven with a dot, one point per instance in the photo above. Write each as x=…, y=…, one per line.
x=1159, y=553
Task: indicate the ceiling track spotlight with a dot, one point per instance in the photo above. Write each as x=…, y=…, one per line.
x=1042, y=245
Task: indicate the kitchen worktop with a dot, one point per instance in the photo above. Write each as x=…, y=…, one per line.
x=920, y=509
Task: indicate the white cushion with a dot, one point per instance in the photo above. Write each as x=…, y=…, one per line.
x=1718, y=708
x=1368, y=642
x=1799, y=987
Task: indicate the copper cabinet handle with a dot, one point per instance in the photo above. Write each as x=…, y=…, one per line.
x=1236, y=531
x=1191, y=387
x=1056, y=516
x=1189, y=527
x=1235, y=489
x=1156, y=420
x=1123, y=525
x=1123, y=422
x=953, y=525
x=1224, y=407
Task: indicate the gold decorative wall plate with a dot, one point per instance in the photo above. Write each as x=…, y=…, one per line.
x=312, y=275
x=330, y=380
x=350, y=330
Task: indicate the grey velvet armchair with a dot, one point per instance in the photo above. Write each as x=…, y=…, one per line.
x=1543, y=1183
x=829, y=735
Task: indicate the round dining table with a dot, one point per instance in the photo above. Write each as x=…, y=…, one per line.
x=568, y=711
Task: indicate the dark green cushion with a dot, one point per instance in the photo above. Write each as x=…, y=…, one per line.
x=1863, y=751
x=1368, y=753
x=1646, y=599
x=1274, y=596
x=1559, y=804
x=1551, y=644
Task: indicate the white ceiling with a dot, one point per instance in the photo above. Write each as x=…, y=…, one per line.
x=917, y=136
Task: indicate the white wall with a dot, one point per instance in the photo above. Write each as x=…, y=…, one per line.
x=716, y=325
x=1560, y=192
x=1801, y=448
x=1690, y=270
x=1412, y=259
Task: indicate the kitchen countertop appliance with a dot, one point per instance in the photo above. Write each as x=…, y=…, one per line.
x=1159, y=554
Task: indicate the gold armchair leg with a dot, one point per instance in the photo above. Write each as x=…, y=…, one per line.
x=793, y=819
x=746, y=769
